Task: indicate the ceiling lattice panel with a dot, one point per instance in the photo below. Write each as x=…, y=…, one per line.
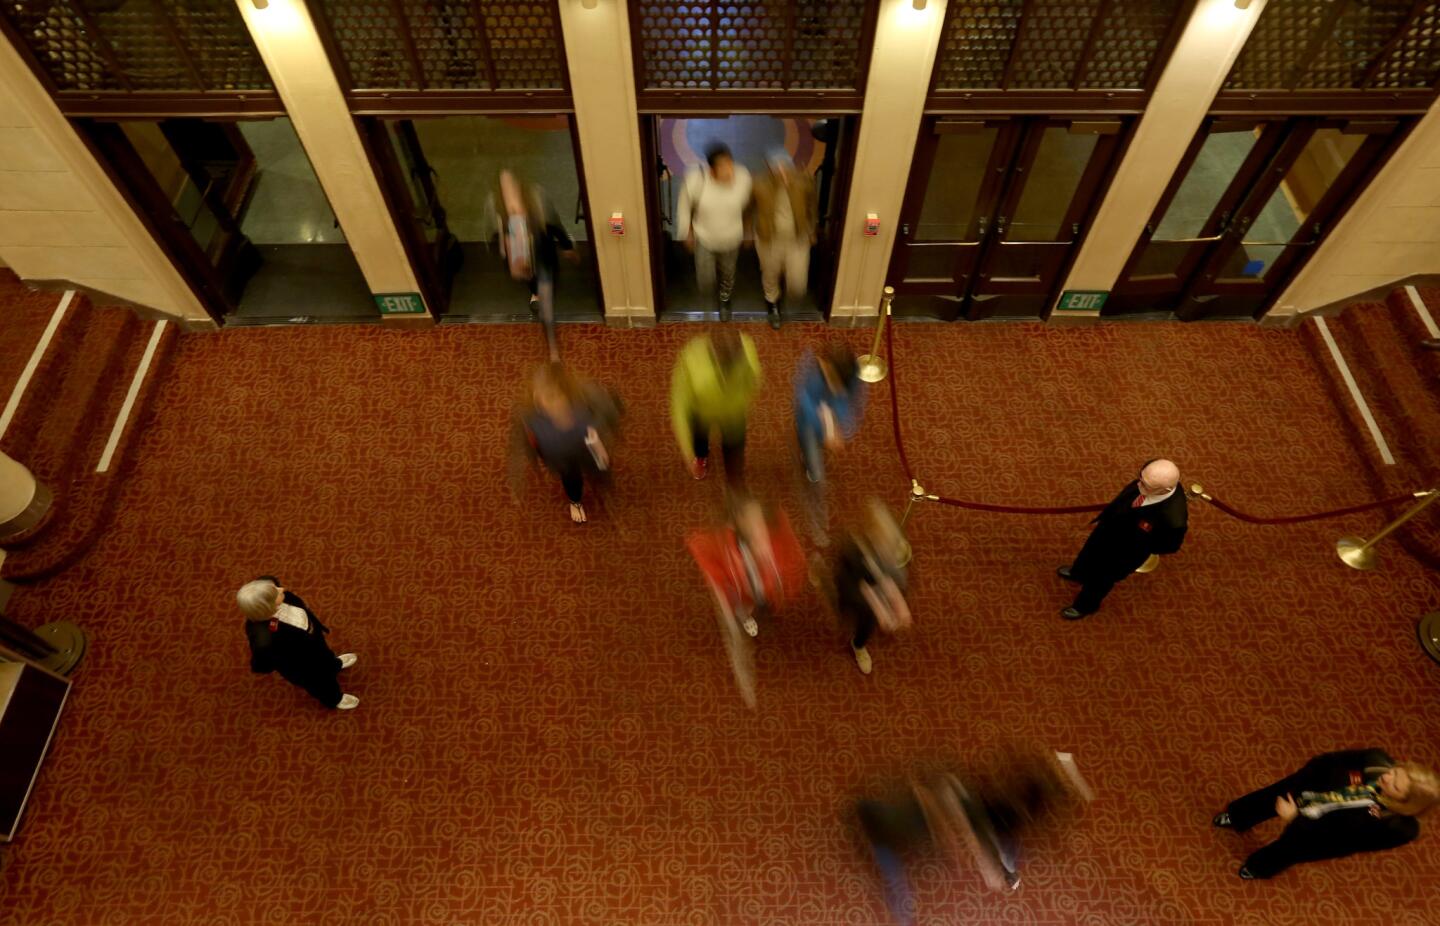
x=1051, y=44
x=127, y=45
x=1345, y=53
x=1341, y=45
x=977, y=43
x=776, y=45
x=1414, y=60
x=1129, y=40
x=447, y=44
x=1052, y=40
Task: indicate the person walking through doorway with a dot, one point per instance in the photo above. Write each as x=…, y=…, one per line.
x=532, y=238
x=1148, y=517
x=714, y=382
x=784, y=211
x=286, y=637
x=710, y=219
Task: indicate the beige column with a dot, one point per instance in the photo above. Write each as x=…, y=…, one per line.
x=1197, y=69
x=906, y=40
x=1389, y=236
x=285, y=35
x=597, y=48
x=23, y=501
x=63, y=224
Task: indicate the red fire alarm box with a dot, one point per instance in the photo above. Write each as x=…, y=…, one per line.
x=872, y=224
x=617, y=224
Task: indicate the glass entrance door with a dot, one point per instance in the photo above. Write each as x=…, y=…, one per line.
x=441, y=176
x=1252, y=198
x=993, y=212
x=238, y=208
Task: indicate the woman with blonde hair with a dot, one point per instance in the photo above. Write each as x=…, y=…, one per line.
x=568, y=425
x=1340, y=803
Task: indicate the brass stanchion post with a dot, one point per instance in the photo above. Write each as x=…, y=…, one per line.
x=1359, y=553
x=917, y=494
x=872, y=366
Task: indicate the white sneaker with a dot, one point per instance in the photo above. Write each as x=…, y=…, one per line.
x=347, y=660
x=348, y=703
x=751, y=627
x=862, y=659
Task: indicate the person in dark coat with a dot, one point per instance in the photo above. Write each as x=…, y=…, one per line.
x=1147, y=517
x=286, y=637
x=1359, y=800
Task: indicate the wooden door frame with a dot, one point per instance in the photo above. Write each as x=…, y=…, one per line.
x=1256, y=160
x=1009, y=136
x=1347, y=186
x=650, y=155
x=389, y=174
x=128, y=173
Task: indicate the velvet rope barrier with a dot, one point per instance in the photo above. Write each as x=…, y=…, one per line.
x=1195, y=491
x=910, y=474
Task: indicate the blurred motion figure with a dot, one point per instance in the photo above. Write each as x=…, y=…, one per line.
x=567, y=425
x=712, y=387
x=968, y=821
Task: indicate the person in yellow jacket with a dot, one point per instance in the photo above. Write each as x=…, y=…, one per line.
x=715, y=379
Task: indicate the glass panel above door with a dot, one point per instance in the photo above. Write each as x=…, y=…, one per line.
x=952, y=190
x=1054, y=177
x=1219, y=160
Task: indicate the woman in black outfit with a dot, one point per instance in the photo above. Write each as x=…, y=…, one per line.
x=1358, y=800
x=286, y=637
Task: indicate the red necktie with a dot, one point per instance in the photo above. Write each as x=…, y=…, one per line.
x=1139, y=500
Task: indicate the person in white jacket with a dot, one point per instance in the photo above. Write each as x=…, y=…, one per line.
x=710, y=219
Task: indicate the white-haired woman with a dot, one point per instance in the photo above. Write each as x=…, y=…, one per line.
x=286, y=637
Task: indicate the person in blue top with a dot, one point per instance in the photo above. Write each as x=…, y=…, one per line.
x=829, y=398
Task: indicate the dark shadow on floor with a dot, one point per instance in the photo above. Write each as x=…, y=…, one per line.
x=683, y=302
x=484, y=290
x=310, y=282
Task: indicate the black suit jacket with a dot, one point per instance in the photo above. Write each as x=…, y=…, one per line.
x=1125, y=536
x=1339, y=832
x=294, y=653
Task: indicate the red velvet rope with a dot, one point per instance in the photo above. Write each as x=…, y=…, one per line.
x=1297, y=518
x=1082, y=509
x=905, y=459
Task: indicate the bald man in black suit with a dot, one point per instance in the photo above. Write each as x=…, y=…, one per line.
x=1147, y=517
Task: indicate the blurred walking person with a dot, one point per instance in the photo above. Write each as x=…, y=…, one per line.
x=710, y=219
x=784, y=215
x=568, y=426
x=829, y=400
x=752, y=565
x=532, y=237
x=867, y=586
x=966, y=821
x=712, y=387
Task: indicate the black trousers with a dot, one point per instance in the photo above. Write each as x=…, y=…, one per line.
x=863, y=620
x=1259, y=806
x=319, y=674
x=732, y=445
x=1097, y=572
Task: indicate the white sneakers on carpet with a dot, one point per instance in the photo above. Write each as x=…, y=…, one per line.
x=348, y=702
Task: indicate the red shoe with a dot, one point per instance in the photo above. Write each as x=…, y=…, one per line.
x=699, y=467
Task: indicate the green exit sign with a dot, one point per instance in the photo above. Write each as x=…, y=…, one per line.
x=1080, y=301
x=400, y=303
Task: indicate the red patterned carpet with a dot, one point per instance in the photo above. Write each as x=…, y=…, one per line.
x=548, y=733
